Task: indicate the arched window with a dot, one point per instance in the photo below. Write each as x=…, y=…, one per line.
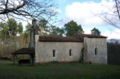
x=70, y=52
x=95, y=51
x=53, y=52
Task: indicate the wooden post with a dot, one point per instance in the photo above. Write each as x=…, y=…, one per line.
x=14, y=57
x=32, y=59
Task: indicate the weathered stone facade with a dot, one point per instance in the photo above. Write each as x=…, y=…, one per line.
x=58, y=52
x=93, y=49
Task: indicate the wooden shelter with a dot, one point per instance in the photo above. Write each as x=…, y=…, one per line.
x=24, y=51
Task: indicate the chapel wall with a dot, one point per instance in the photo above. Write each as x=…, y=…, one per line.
x=95, y=50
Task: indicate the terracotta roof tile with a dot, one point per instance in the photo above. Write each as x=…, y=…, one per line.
x=67, y=39
x=59, y=39
x=24, y=51
x=92, y=36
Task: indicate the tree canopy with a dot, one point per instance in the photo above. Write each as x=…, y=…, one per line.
x=72, y=28
x=95, y=31
x=47, y=28
x=11, y=27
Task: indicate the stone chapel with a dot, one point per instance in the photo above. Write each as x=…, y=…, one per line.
x=88, y=48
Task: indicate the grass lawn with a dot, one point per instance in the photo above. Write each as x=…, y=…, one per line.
x=59, y=71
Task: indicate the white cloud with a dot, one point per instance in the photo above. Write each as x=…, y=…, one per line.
x=115, y=34
x=88, y=13
x=87, y=31
x=91, y=14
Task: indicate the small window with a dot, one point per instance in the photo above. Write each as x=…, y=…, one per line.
x=53, y=52
x=95, y=51
x=70, y=52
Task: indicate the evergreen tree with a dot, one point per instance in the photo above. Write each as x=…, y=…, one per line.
x=95, y=31
x=72, y=28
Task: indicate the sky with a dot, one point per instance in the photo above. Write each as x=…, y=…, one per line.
x=88, y=13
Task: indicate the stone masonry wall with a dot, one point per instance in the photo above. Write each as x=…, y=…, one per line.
x=95, y=50
x=44, y=51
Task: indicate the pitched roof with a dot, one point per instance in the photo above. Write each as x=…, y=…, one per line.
x=59, y=39
x=92, y=36
x=67, y=39
x=24, y=51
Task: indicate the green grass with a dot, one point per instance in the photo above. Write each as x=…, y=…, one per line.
x=59, y=71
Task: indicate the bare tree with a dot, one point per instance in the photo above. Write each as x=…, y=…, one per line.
x=117, y=5
x=26, y=8
x=113, y=18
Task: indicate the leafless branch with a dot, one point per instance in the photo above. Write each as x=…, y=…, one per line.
x=117, y=3
x=113, y=18
x=26, y=8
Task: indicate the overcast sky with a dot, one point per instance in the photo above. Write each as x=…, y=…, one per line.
x=88, y=13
